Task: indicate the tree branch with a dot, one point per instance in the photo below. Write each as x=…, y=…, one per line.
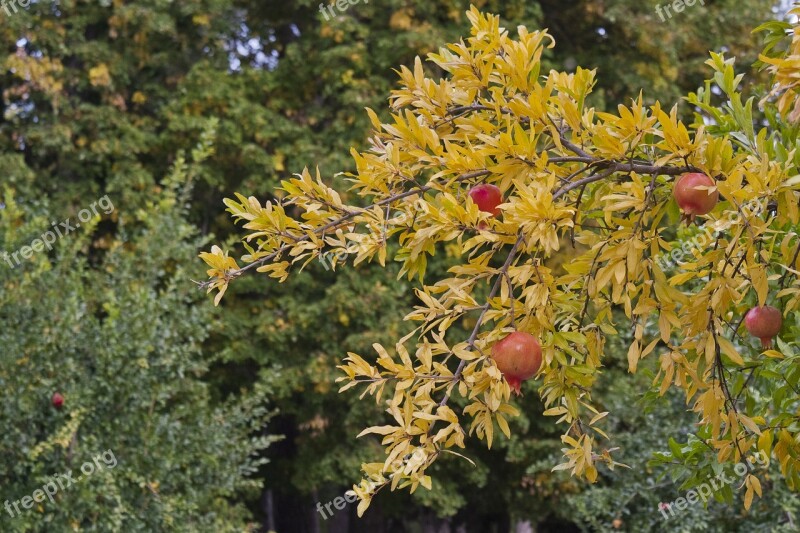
x=338, y=222
x=496, y=287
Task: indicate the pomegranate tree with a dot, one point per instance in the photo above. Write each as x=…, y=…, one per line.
x=764, y=322
x=693, y=195
x=518, y=356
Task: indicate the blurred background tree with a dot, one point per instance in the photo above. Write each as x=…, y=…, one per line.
x=105, y=321
x=99, y=97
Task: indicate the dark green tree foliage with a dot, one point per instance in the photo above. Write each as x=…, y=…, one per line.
x=628, y=499
x=109, y=323
x=636, y=46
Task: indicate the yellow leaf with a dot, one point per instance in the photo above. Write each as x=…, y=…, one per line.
x=99, y=76
x=501, y=421
x=362, y=506
x=749, y=424
x=380, y=430
x=758, y=276
x=730, y=350
x=633, y=356
x=756, y=484
x=201, y=20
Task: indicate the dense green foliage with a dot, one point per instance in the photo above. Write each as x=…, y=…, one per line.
x=111, y=325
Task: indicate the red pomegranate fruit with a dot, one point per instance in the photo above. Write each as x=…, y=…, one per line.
x=691, y=198
x=764, y=322
x=487, y=197
x=518, y=356
x=58, y=400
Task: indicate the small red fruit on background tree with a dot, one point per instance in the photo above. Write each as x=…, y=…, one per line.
x=58, y=400
x=764, y=322
x=487, y=197
x=518, y=356
x=692, y=198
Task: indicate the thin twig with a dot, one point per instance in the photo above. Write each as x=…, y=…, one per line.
x=471, y=342
x=338, y=222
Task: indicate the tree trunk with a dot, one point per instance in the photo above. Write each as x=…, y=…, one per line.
x=314, y=512
x=523, y=526
x=268, y=508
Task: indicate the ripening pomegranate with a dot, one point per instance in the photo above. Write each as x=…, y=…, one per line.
x=691, y=199
x=518, y=356
x=57, y=400
x=487, y=197
x=763, y=322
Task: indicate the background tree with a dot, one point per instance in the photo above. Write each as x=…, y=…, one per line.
x=108, y=324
